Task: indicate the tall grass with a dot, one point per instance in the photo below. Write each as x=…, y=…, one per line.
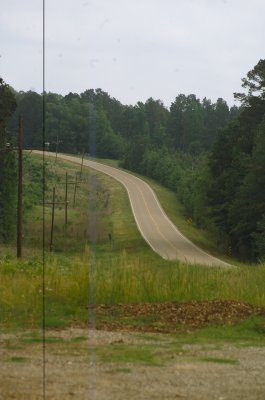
x=131, y=280
x=134, y=275
x=124, y=279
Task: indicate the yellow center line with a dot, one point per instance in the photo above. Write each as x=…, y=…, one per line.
x=151, y=216
x=146, y=205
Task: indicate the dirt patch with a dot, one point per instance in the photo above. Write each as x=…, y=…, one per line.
x=74, y=368
x=153, y=362
x=171, y=316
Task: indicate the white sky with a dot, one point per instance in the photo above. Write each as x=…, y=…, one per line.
x=133, y=49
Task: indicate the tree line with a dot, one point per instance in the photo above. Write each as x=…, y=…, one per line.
x=7, y=165
x=210, y=154
x=220, y=181
x=190, y=125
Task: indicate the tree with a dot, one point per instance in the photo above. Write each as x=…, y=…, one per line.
x=108, y=143
x=134, y=153
x=7, y=106
x=237, y=169
x=248, y=207
x=255, y=85
x=7, y=166
x=156, y=118
x=31, y=106
x=185, y=123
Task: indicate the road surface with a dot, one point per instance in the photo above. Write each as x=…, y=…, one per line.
x=154, y=225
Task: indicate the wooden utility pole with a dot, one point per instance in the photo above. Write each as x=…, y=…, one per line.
x=53, y=203
x=19, y=190
x=52, y=224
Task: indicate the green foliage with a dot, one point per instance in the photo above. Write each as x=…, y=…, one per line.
x=255, y=84
x=259, y=238
x=190, y=125
x=69, y=125
x=193, y=125
x=8, y=190
x=126, y=271
x=7, y=166
x=183, y=173
x=7, y=107
x=124, y=353
x=124, y=278
x=33, y=186
x=170, y=146
x=236, y=181
x=108, y=143
x=30, y=104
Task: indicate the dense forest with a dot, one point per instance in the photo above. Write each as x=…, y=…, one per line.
x=210, y=154
x=7, y=166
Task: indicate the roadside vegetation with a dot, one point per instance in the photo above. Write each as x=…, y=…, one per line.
x=209, y=157
x=123, y=270
x=209, y=154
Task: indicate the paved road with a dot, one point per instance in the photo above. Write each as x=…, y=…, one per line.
x=154, y=225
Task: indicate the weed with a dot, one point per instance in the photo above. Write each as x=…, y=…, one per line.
x=244, y=333
x=55, y=322
x=78, y=339
x=134, y=354
x=220, y=360
x=18, y=359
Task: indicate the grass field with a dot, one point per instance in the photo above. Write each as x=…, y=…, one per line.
x=86, y=265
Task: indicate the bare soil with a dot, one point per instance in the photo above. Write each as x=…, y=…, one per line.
x=81, y=363
x=72, y=373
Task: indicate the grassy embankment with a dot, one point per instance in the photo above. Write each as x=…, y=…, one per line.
x=126, y=270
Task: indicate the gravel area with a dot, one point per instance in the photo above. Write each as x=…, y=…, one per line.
x=74, y=368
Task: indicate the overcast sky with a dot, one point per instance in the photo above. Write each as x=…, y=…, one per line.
x=133, y=49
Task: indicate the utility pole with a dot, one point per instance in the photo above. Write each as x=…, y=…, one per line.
x=53, y=203
x=66, y=202
x=19, y=190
